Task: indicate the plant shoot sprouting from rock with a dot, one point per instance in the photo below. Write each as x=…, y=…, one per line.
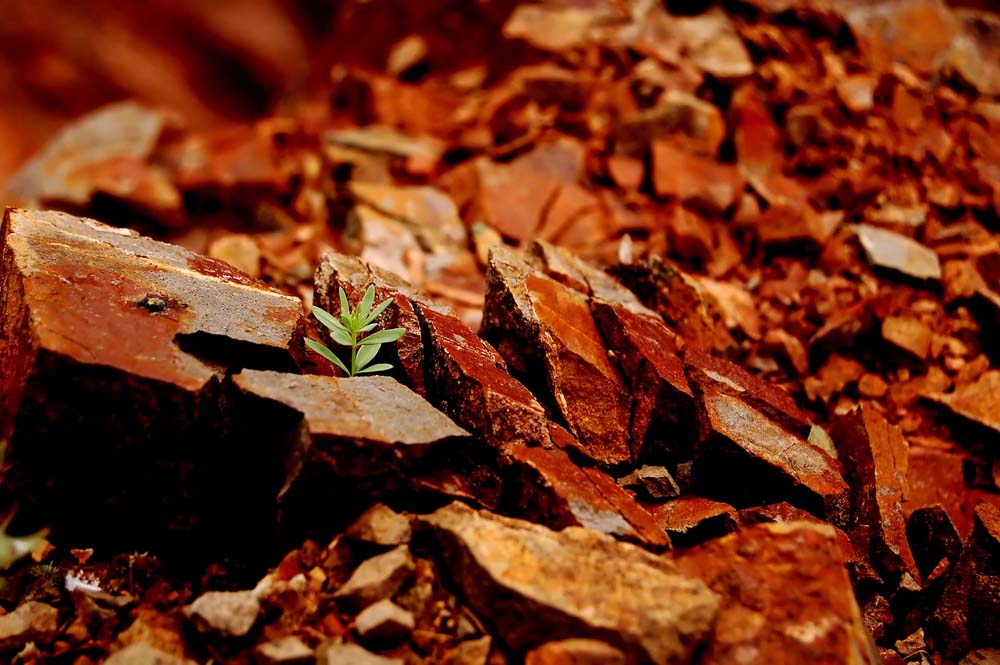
x=348, y=330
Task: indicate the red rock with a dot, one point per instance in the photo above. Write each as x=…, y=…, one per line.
x=857, y=93
x=691, y=235
x=967, y=612
x=786, y=512
x=549, y=84
x=691, y=520
x=123, y=341
x=234, y=157
x=545, y=332
x=585, y=585
x=551, y=489
x=759, y=150
x=875, y=456
x=741, y=442
x=916, y=32
x=712, y=374
x=512, y=198
x=976, y=402
x=30, y=622
x=627, y=172
x=909, y=334
x=663, y=411
x=469, y=381
x=787, y=597
x=676, y=297
x=101, y=152
x=693, y=179
x=933, y=539
x=365, y=433
x=688, y=119
x=936, y=477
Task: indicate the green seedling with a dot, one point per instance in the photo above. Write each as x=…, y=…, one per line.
x=348, y=329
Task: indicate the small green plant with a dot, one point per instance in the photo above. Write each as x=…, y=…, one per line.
x=348, y=330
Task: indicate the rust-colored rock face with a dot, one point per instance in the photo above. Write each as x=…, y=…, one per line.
x=549, y=336
x=740, y=440
x=121, y=342
x=876, y=457
x=586, y=585
x=764, y=575
x=699, y=305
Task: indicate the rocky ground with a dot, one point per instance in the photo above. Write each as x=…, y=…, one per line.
x=700, y=361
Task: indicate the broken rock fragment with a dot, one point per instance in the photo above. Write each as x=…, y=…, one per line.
x=545, y=331
x=469, y=381
x=30, y=622
x=225, y=613
x=144, y=654
x=663, y=408
x=742, y=443
x=967, y=612
x=362, y=429
x=896, y=252
x=676, y=296
x=583, y=583
x=288, y=650
x=383, y=623
x=875, y=456
x=786, y=597
x=377, y=578
x=976, y=402
x=380, y=525
x=691, y=520
x=120, y=340
x=550, y=488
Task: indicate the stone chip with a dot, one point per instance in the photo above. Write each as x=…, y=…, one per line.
x=583, y=583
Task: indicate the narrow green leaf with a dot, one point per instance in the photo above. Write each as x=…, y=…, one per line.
x=365, y=355
x=378, y=310
x=379, y=367
x=327, y=319
x=326, y=353
x=345, y=307
x=365, y=306
x=368, y=328
x=383, y=336
x=341, y=337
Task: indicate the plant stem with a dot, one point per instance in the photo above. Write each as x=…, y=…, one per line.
x=354, y=351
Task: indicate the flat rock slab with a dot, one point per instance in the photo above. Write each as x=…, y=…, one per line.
x=369, y=431
x=743, y=443
x=547, y=335
x=786, y=597
x=896, y=252
x=573, y=583
x=121, y=341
